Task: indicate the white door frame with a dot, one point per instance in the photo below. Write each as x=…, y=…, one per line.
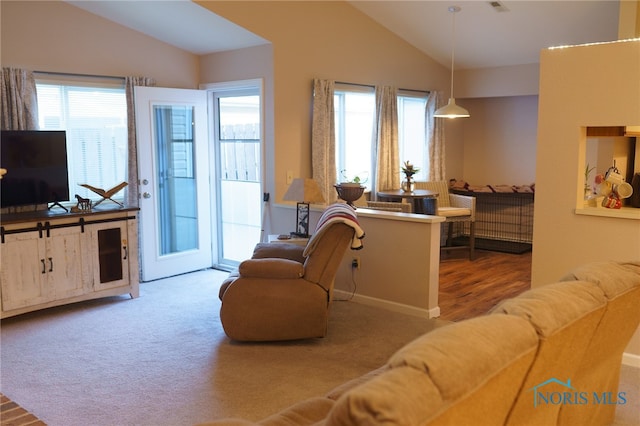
x=154, y=265
x=221, y=87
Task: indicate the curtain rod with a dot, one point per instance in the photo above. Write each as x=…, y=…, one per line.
x=70, y=74
x=373, y=86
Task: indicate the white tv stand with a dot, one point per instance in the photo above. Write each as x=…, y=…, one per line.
x=50, y=259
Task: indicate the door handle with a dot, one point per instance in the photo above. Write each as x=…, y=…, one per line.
x=44, y=266
x=50, y=264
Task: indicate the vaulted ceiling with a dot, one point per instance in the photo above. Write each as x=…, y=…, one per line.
x=487, y=33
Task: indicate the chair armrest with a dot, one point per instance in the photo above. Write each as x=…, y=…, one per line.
x=279, y=251
x=271, y=268
x=463, y=201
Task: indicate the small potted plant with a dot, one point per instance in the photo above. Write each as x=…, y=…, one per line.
x=351, y=181
x=350, y=188
x=409, y=170
x=587, y=187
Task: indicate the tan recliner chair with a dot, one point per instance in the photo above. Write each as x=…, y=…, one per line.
x=283, y=292
x=455, y=208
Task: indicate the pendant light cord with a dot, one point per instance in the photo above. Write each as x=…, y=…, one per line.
x=454, y=10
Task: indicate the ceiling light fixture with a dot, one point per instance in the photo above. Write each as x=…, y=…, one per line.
x=451, y=110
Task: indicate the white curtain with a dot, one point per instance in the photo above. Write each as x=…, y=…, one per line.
x=323, y=138
x=435, y=138
x=19, y=100
x=131, y=191
x=385, y=137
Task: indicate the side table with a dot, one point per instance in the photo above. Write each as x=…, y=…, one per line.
x=273, y=238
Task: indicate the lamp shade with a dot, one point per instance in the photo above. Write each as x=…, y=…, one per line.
x=451, y=110
x=304, y=190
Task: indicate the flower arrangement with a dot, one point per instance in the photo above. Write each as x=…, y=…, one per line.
x=409, y=169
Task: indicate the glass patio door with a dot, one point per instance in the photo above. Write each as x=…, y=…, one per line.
x=237, y=139
x=173, y=168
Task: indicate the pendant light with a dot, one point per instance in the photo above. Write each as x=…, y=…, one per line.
x=451, y=110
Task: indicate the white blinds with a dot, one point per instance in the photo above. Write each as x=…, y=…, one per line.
x=95, y=118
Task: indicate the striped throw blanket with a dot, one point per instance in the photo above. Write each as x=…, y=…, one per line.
x=336, y=213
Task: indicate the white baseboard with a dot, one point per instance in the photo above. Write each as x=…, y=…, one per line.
x=631, y=360
x=391, y=306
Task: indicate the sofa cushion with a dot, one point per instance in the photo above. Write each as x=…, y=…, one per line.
x=400, y=396
x=550, y=308
x=565, y=316
x=599, y=367
x=453, y=211
x=444, y=353
x=341, y=389
x=614, y=278
x=430, y=376
x=306, y=412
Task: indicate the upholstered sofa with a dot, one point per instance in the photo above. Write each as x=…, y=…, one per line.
x=549, y=356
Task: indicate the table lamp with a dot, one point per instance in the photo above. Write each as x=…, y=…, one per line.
x=304, y=191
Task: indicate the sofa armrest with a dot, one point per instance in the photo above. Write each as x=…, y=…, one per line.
x=271, y=268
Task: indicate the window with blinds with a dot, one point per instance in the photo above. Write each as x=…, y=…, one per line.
x=94, y=116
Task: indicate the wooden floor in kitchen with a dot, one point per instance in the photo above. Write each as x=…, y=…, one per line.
x=469, y=288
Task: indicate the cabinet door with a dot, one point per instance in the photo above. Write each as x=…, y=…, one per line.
x=111, y=255
x=66, y=273
x=24, y=271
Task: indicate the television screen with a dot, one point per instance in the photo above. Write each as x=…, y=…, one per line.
x=36, y=163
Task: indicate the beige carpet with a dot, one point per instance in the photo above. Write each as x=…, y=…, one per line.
x=163, y=359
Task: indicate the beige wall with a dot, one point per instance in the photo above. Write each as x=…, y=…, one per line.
x=499, y=141
x=407, y=281
x=329, y=40
x=248, y=64
x=576, y=91
x=516, y=80
x=57, y=37
x=629, y=22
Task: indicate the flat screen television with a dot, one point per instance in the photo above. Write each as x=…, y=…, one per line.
x=36, y=163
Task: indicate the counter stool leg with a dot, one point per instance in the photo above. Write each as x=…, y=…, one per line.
x=472, y=241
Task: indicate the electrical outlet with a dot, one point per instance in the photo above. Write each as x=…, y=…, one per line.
x=355, y=263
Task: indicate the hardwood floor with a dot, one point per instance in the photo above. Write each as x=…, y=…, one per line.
x=471, y=288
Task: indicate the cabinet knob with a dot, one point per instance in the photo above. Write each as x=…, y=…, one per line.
x=146, y=195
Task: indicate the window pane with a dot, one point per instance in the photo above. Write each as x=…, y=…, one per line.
x=354, y=115
x=239, y=136
x=177, y=202
x=411, y=133
x=95, y=119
